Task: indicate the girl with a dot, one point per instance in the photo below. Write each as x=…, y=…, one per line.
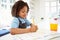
x=19, y=25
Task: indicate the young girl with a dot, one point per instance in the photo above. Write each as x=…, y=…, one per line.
x=20, y=23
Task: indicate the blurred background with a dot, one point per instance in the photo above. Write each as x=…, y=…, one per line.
x=40, y=11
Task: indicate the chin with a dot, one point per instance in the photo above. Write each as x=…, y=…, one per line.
x=24, y=17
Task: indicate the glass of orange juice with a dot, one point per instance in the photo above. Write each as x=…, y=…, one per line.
x=53, y=27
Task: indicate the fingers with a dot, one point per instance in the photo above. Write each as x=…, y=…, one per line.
x=34, y=28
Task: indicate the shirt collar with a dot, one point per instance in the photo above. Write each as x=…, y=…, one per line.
x=22, y=19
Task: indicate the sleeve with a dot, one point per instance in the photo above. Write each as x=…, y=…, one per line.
x=15, y=23
x=28, y=23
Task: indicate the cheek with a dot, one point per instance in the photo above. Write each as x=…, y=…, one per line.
x=20, y=13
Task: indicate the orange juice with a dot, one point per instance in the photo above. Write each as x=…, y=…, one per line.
x=53, y=27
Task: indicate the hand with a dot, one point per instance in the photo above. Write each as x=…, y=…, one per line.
x=12, y=31
x=33, y=28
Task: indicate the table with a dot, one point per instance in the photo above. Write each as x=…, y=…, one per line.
x=43, y=33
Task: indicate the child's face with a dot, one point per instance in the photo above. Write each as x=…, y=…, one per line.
x=23, y=12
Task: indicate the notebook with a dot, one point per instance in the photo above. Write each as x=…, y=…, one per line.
x=4, y=32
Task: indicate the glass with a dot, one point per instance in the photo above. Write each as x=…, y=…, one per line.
x=53, y=27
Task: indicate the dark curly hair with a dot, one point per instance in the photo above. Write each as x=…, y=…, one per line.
x=17, y=7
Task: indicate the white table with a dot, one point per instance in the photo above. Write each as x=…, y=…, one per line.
x=43, y=33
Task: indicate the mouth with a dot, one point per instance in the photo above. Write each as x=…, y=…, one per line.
x=24, y=15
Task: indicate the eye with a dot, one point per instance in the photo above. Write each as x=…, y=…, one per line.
x=24, y=12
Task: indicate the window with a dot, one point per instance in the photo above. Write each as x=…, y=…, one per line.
x=4, y=0
x=52, y=7
x=12, y=1
x=5, y=11
x=53, y=4
x=4, y=6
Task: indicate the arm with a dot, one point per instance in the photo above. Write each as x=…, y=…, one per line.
x=16, y=30
x=19, y=31
x=22, y=31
